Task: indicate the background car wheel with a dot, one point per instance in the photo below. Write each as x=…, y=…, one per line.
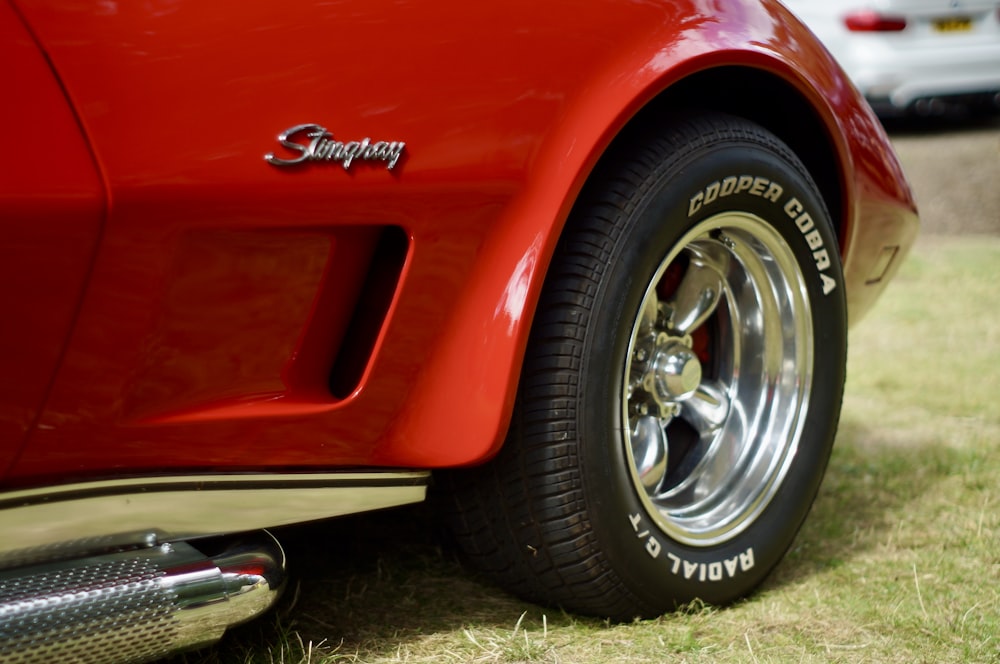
x=682, y=384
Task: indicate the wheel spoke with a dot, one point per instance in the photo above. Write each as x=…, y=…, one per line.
x=649, y=314
x=707, y=409
x=698, y=294
x=649, y=449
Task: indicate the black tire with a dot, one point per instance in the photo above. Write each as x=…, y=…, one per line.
x=622, y=489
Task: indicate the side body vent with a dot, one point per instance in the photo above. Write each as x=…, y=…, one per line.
x=370, y=313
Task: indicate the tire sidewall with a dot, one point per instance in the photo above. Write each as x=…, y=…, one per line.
x=679, y=196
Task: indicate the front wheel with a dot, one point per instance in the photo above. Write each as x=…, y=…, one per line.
x=682, y=383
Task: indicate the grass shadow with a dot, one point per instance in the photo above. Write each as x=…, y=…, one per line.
x=873, y=484
x=364, y=586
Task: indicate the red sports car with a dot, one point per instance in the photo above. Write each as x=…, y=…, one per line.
x=589, y=264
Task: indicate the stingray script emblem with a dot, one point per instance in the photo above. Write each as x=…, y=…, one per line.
x=312, y=142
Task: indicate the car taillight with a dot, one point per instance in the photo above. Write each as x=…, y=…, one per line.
x=868, y=20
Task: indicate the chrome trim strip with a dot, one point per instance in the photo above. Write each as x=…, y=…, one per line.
x=75, y=519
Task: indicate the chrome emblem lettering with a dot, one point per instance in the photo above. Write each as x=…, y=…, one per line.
x=322, y=147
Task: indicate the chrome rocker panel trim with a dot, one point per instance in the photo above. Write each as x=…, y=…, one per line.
x=76, y=519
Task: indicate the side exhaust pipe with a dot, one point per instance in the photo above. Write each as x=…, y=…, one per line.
x=135, y=605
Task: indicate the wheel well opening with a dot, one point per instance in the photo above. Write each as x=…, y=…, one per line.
x=739, y=91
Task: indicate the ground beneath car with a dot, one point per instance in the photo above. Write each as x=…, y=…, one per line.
x=954, y=168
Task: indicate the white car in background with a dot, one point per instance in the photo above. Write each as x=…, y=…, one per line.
x=913, y=56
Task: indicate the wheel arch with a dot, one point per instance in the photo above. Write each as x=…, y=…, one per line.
x=737, y=90
x=428, y=433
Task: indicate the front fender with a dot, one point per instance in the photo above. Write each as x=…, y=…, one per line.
x=463, y=401
x=224, y=282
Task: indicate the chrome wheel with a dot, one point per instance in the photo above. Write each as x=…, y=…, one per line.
x=717, y=378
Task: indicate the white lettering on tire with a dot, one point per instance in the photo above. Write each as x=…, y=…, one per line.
x=714, y=571
x=652, y=544
x=755, y=186
x=793, y=208
x=770, y=191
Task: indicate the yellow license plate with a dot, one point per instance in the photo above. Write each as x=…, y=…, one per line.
x=953, y=25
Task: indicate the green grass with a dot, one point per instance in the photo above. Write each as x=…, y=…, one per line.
x=899, y=560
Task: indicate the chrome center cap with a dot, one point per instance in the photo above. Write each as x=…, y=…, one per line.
x=675, y=373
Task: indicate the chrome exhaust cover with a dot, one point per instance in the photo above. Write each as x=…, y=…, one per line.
x=136, y=605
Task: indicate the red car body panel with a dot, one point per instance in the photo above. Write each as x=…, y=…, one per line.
x=51, y=209
x=223, y=288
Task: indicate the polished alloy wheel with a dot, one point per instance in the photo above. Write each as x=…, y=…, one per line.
x=717, y=378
